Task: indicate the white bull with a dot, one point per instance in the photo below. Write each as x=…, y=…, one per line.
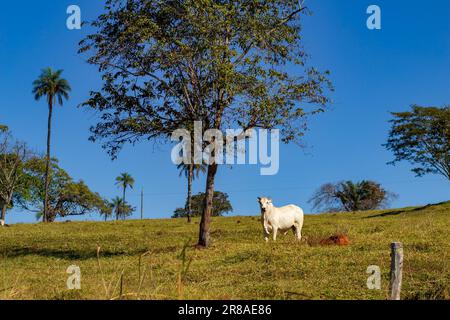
x=280, y=219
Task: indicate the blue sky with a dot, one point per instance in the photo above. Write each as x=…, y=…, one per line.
x=373, y=72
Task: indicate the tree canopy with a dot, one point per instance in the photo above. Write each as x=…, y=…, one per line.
x=120, y=208
x=221, y=205
x=50, y=85
x=167, y=63
x=350, y=196
x=422, y=137
x=125, y=180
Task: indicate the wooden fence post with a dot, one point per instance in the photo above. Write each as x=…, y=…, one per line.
x=396, y=270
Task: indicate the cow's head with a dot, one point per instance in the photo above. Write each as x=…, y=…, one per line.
x=264, y=203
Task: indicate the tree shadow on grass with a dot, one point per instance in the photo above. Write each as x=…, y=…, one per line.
x=66, y=254
x=397, y=212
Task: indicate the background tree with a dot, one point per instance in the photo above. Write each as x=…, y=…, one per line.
x=350, y=196
x=13, y=156
x=121, y=208
x=422, y=137
x=124, y=181
x=65, y=196
x=225, y=63
x=109, y=213
x=55, y=89
x=190, y=171
x=116, y=204
x=221, y=205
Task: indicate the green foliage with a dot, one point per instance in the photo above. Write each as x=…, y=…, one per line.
x=120, y=208
x=66, y=197
x=52, y=86
x=165, y=64
x=422, y=137
x=350, y=196
x=197, y=169
x=221, y=205
x=125, y=180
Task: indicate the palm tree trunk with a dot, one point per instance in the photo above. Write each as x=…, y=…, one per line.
x=203, y=238
x=189, y=196
x=47, y=160
x=123, y=202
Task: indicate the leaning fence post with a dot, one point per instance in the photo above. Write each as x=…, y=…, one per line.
x=396, y=270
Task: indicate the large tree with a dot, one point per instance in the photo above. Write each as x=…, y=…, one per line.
x=55, y=89
x=422, y=137
x=221, y=206
x=351, y=196
x=235, y=64
x=66, y=197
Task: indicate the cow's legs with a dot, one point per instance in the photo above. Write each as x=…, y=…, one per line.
x=266, y=234
x=294, y=230
x=298, y=232
x=275, y=230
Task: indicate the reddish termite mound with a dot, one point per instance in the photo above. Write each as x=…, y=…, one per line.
x=338, y=239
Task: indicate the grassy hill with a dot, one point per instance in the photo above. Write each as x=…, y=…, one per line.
x=143, y=260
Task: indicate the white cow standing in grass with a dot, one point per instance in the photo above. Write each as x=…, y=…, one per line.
x=280, y=219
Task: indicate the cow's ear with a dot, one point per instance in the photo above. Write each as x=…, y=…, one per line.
x=269, y=200
x=259, y=199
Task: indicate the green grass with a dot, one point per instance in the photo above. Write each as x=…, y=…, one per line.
x=142, y=259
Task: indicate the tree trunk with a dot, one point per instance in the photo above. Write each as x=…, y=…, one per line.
x=47, y=160
x=189, y=196
x=4, y=207
x=203, y=238
x=123, y=202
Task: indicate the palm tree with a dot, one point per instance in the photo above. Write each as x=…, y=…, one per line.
x=351, y=196
x=190, y=171
x=124, y=181
x=55, y=89
x=116, y=205
x=355, y=195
